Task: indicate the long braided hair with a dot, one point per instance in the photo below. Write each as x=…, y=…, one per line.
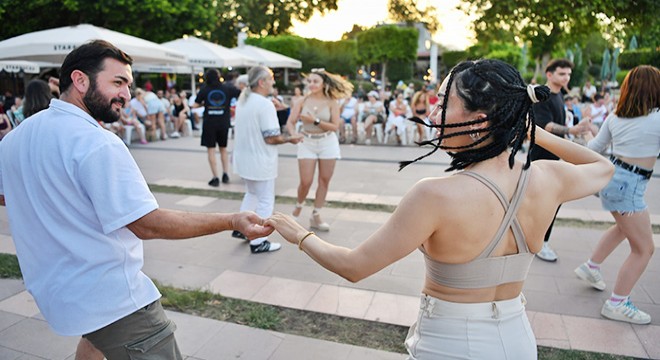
x=497, y=89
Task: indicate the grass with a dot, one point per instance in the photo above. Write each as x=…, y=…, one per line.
x=9, y=268
x=370, y=334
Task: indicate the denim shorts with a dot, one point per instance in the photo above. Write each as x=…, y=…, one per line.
x=625, y=192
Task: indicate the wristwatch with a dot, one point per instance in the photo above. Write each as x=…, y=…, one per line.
x=317, y=121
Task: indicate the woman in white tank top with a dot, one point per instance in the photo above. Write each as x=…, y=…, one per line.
x=482, y=118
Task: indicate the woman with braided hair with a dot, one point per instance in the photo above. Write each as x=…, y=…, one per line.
x=471, y=305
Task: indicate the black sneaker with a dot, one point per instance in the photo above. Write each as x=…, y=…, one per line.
x=239, y=235
x=265, y=246
x=225, y=178
x=215, y=182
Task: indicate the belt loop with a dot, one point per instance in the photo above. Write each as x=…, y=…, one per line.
x=496, y=311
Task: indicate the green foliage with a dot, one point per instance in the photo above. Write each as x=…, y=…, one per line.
x=621, y=75
x=451, y=58
x=507, y=52
x=407, y=11
x=9, y=267
x=366, y=85
x=335, y=56
x=399, y=70
x=387, y=43
x=161, y=20
x=546, y=24
x=631, y=58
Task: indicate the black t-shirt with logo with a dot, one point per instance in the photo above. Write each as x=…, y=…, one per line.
x=217, y=100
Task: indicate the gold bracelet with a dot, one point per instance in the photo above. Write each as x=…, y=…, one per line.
x=303, y=239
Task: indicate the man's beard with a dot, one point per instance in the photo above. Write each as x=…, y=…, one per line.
x=99, y=107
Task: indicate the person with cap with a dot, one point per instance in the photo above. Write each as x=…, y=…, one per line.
x=373, y=113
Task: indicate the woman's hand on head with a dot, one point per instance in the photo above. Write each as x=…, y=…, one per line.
x=286, y=226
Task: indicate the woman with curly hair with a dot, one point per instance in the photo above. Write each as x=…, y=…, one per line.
x=478, y=228
x=319, y=113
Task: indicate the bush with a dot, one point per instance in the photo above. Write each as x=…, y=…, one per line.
x=451, y=58
x=631, y=58
x=399, y=70
x=621, y=75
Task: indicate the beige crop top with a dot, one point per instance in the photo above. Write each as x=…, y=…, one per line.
x=486, y=271
x=321, y=112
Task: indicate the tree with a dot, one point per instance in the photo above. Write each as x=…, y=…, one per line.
x=407, y=11
x=548, y=23
x=155, y=20
x=387, y=43
x=161, y=20
x=353, y=33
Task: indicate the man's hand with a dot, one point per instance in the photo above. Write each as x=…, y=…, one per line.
x=295, y=138
x=251, y=225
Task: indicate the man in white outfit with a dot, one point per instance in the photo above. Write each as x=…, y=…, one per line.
x=255, y=151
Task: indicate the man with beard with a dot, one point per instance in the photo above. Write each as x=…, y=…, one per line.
x=79, y=209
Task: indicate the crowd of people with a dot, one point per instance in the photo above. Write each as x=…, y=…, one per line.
x=97, y=210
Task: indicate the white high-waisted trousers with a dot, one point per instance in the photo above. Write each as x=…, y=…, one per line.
x=260, y=198
x=492, y=330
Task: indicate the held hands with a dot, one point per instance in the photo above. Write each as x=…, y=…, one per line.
x=251, y=225
x=287, y=227
x=295, y=138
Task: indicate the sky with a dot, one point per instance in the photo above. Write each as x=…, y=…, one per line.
x=454, y=34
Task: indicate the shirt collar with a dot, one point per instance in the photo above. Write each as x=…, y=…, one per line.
x=72, y=109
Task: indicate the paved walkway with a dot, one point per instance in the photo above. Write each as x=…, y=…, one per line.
x=563, y=311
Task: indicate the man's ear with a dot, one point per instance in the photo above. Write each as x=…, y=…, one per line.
x=80, y=81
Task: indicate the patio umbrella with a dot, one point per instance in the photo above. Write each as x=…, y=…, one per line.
x=268, y=58
x=205, y=54
x=53, y=45
x=15, y=66
x=615, y=64
x=605, y=67
x=633, y=43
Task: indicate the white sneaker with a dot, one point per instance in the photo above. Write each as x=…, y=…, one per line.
x=175, y=135
x=592, y=276
x=626, y=312
x=367, y=142
x=546, y=253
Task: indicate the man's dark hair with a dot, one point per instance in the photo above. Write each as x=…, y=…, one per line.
x=558, y=63
x=497, y=89
x=212, y=77
x=89, y=59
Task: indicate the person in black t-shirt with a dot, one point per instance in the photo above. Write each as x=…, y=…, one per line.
x=216, y=98
x=551, y=116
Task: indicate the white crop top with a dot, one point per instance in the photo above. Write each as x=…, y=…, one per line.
x=630, y=137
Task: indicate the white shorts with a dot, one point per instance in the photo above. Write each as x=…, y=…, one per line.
x=492, y=330
x=319, y=147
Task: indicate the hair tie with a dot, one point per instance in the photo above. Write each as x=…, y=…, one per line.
x=531, y=93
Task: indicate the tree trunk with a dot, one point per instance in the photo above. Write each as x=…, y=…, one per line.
x=383, y=76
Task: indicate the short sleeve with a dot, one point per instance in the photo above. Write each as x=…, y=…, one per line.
x=543, y=114
x=602, y=140
x=115, y=186
x=268, y=122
